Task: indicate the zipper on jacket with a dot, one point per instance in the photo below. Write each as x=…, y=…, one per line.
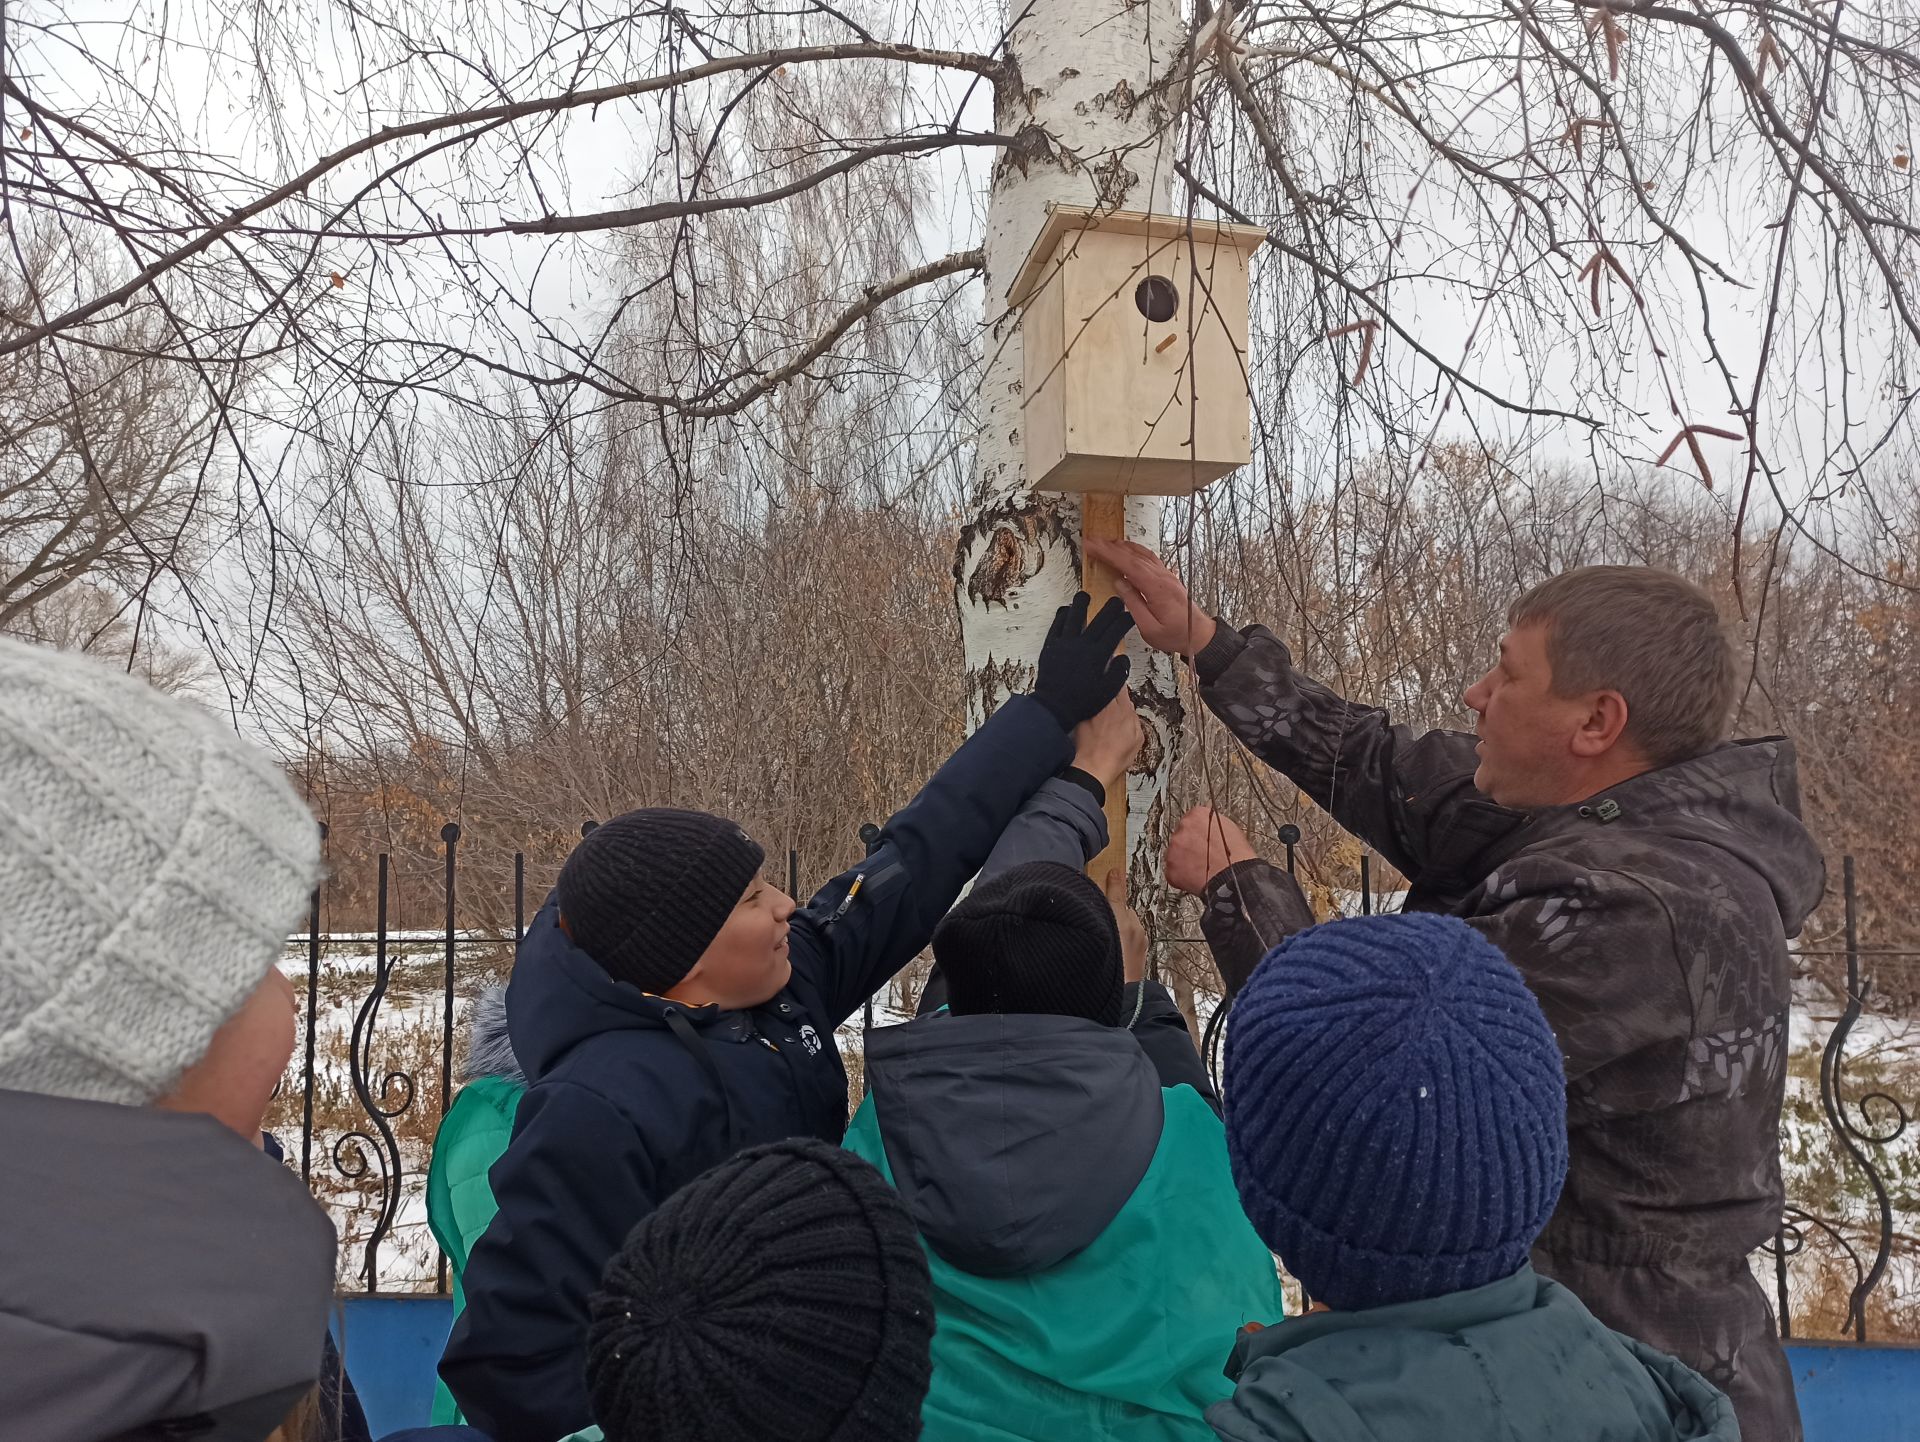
x=846, y=901
x=880, y=877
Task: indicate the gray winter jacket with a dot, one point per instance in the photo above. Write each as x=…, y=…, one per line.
x=156, y=1269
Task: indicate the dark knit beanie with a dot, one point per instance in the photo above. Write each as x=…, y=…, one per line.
x=1396, y=1109
x=781, y=1295
x=1036, y=939
x=646, y=893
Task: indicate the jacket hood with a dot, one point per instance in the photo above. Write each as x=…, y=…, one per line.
x=489, y=1051
x=1520, y=1357
x=156, y=1267
x=1013, y=1140
x=559, y=996
x=1742, y=798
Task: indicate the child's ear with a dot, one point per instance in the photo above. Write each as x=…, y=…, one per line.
x=561, y=917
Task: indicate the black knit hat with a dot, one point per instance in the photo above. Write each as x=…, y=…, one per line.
x=647, y=892
x=1038, y=938
x=781, y=1295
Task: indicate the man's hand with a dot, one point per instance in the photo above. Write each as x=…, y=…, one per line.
x=1167, y=618
x=1078, y=672
x=1133, y=932
x=1104, y=747
x=1204, y=844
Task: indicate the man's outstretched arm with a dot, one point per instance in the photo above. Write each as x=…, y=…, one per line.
x=1393, y=790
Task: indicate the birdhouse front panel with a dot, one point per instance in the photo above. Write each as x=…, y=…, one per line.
x=1135, y=339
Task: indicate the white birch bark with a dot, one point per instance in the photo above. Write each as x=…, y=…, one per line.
x=1080, y=67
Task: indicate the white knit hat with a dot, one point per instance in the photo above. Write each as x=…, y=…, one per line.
x=151, y=864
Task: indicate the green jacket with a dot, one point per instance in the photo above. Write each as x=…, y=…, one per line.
x=1519, y=1358
x=472, y=1135
x=1090, y=1260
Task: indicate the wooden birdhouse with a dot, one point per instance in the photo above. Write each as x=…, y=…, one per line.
x=1135, y=331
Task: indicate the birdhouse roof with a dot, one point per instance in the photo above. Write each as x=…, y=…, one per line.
x=1065, y=220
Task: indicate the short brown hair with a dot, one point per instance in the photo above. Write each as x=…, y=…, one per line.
x=1650, y=635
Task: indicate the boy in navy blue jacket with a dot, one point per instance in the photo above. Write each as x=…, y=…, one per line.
x=670, y=1008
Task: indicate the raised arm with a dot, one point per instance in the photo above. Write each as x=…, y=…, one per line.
x=1249, y=909
x=1397, y=792
x=1066, y=820
x=865, y=925
x=1392, y=789
x=1249, y=905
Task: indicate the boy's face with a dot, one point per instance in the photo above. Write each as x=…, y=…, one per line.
x=746, y=964
x=234, y=1081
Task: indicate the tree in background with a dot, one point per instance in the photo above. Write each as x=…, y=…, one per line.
x=103, y=474
x=494, y=277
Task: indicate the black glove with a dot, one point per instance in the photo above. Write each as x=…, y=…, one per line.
x=1078, y=673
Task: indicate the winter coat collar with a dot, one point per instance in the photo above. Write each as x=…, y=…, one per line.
x=1518, y=1357
x=1742, y=797
x=1013, y=1140
x=1454, y=1312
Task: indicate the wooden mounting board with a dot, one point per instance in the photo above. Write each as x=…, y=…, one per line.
x=1104, y=516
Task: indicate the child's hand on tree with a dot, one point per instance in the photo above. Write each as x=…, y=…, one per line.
x=1158, y=599
x=1078, y=672
x=1105, y=746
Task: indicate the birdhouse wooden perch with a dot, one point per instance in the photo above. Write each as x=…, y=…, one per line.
x=1135, y=333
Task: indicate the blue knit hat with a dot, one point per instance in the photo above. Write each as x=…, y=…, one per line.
x=1396, y=1109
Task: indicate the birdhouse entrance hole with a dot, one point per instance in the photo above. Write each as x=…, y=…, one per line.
x=1156, y=299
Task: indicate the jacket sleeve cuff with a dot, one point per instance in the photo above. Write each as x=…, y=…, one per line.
x=1219, y=653
x=1248, y=909
x=1092, y=784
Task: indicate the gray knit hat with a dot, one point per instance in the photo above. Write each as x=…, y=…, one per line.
x=151, y=863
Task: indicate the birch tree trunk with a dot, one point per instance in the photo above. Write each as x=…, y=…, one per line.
x=1079, y=70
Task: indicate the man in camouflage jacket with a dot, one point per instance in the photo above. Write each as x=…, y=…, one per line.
x=1645, y=883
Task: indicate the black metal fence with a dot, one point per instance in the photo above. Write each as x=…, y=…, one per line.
x=1856, y=1132
x=376, y=1153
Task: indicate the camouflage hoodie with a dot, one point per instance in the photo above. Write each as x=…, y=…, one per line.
x=1651, y=921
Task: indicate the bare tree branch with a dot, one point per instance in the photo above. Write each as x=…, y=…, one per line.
x=484, y=116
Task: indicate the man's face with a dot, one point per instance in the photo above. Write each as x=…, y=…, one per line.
x=746, y=964
x=1526, y=732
